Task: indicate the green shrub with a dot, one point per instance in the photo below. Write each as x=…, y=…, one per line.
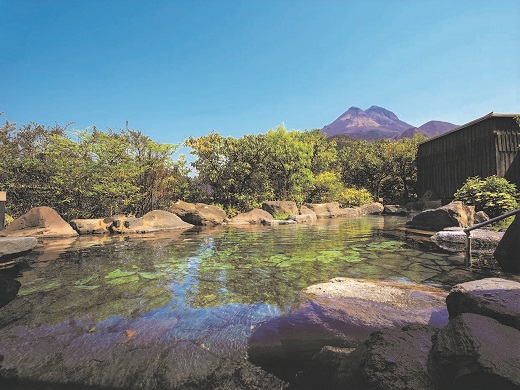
x=278, y=215
x=351, y=197
x=327, y=187
x=494, y=195
x=8, y=220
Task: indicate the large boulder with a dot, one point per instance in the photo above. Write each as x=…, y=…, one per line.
x=305, y=211
x=280, y=207
x=41, y=222
x=453, y=214
x=342, y=313
x=11, y=247
x=493, y=297
x=254, y=217
x=154, y=221
x=324, y=210
x=476, y=352
x=454, y=239
x=374, y=208
x=92, y=226
x=507, y=253
x=199, y=214
x=8, y=289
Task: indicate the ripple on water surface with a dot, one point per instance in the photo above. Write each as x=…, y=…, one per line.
x=141, y=313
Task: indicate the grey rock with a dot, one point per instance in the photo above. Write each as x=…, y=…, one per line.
x=492, y=297
x=476, y=352
x=397, y=359
x=454, y=239
x=11, y=247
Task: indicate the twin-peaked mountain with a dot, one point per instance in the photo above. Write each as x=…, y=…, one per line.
x=377, y=122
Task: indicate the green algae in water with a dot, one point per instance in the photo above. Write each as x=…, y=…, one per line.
x=86, y=287
x=123, y=280
x=38, y=288
x=151, y=275
x=119, y=274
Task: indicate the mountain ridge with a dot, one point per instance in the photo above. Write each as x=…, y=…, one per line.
x=378, y=122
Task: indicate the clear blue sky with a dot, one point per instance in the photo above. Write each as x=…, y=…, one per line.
x=181, y=68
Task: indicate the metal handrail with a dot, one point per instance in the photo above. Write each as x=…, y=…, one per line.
x=467, y=257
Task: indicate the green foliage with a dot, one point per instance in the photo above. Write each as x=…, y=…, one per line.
x=280, y=216
x=240, y=174
x=493, y=195
x=326, y=187
x=90, y=173
x=8, y=220
x=385, y=168
x=352, y=197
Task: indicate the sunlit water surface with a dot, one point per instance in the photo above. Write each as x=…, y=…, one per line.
x=203, y=290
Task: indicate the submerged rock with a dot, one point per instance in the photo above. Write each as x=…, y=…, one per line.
x=342, y=313
x=392, y=209
x=198, y=214
x=40, y=222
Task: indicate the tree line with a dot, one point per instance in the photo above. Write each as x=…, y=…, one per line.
x=93, y=173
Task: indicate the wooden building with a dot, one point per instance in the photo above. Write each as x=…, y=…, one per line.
x=484, y=147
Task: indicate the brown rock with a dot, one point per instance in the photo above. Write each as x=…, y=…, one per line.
x=453, y=214
x=199, y=214
x=41, y=222
x=255, y=216
x=493, y=297
x=507, y=253
x=280, y=207
x=374, y=208
x=91, y=226
x=154, y=221
x=324, y=210
x=304, y=210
